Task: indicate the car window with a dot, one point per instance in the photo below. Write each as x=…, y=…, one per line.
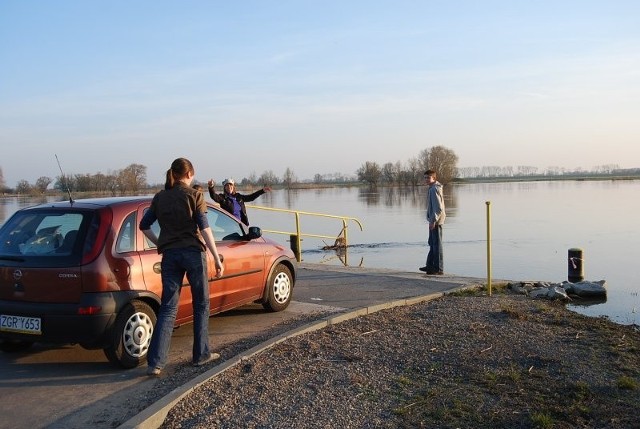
x=224, y=227
x=126, y=241
x=40, y=233
x=155, y=227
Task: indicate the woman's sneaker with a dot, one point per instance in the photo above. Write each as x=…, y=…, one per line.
x=212, y=356
x=153, y=371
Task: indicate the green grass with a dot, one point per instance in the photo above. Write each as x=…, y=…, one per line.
x=627, y=383
x=542, y=420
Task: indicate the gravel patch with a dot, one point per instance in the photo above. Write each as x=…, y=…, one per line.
x=461, y=361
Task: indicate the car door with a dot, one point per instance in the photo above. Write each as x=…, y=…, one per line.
x=244, y=263
x=243, y=280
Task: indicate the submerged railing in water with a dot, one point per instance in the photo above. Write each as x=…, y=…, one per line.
x=296, y=236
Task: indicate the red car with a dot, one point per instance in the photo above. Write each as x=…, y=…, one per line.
x=82, y=272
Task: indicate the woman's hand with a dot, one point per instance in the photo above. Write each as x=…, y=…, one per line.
x=219, y=269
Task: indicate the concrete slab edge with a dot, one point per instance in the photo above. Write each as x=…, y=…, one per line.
x=153, y=416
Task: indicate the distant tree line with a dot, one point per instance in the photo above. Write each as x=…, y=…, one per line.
x=129, y=180
x=133, y=178
x=527, y=170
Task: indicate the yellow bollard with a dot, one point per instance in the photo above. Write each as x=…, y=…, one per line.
x=488, y=203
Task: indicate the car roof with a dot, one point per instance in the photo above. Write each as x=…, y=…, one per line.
x=92, y=203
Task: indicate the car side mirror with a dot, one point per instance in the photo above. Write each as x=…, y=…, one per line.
x=254, y=232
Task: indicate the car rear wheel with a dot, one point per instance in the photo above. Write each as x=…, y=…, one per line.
x=131, y=335
x=280, y=288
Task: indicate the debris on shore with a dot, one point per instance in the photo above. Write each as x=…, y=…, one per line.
x=564, y=291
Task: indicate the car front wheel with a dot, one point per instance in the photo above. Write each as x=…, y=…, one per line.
x=131, y=335
x=280, y=288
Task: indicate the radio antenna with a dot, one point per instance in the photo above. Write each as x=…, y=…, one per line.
x=64, y=178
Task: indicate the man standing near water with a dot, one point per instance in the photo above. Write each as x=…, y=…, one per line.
x=435, y=218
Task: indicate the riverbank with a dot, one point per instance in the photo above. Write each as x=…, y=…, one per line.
x=464, y=360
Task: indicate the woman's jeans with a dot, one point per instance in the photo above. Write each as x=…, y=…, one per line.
x=175, y=264
x=435, y=257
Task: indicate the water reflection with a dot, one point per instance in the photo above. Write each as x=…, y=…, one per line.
x=587, y=302
x=411, y=196
x=370, y=195
x=290, y=198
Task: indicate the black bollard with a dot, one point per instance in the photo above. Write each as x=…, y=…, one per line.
x=576, y=268
x=293, y=243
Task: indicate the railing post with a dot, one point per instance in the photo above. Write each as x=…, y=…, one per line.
x=488, y=203
x=298, y=244
x=346, y=242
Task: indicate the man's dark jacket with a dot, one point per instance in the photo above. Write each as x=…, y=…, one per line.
x=225, y=201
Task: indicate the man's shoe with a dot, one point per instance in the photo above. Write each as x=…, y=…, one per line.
x=211, y=357
x=423, y=269
x=153, y=371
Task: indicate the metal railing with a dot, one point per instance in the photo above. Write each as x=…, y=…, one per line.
x=296, y=236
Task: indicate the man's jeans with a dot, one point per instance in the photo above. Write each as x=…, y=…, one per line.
x=435, y=258
x=175, y=264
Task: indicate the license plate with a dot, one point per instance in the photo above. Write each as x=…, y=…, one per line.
x=23, y=325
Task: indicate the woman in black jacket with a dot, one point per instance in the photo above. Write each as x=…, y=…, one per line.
x=232, y=201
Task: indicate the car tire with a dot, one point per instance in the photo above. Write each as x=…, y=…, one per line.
x=15, y=346
x=279, y=289
x=131, y=335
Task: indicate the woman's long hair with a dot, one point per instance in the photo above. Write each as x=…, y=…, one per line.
x=180, y=168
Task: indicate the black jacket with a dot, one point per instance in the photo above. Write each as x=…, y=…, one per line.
x=225, y=201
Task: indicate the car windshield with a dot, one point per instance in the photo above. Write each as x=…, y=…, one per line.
x=40, y=233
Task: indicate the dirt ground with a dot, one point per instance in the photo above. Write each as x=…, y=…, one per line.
x=461, y=361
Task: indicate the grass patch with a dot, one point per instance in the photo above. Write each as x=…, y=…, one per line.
x=627, y=383
x=581, y=390
x=513, y=373
x=469, y=291
x=513, y=313
x=501, y=287
x=542, y=420
x=404, y=380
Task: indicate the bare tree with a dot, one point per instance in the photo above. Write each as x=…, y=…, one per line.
x=64, y=183
x=3, y=185
x=268, y=178
x=111, y=183
x=42, y=184
x=369, y=172
x=444, y=161
x=288, y=179
x=390, y=172
x=414, y=171
x=23, y=187
x=133, y=178
x=83, y=182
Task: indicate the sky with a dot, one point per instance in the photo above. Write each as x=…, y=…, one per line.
x=319, y=87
